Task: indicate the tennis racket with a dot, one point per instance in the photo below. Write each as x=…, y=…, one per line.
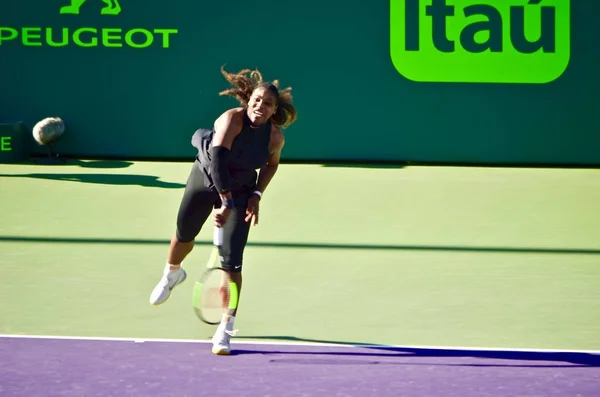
x=211, y=296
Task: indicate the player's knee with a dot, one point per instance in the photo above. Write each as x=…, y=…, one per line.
x=184, y=235
x=232, y=263
x=233, y=269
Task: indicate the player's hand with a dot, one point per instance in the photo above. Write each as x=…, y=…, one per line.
x=252, y=210
x=221, y=215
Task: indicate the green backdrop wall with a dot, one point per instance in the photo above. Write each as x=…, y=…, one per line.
x=353, y=104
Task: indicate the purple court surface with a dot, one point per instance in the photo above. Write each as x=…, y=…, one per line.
x=43, y=366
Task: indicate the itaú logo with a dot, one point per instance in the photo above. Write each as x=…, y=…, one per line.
x=480, y=41
x=82, y=36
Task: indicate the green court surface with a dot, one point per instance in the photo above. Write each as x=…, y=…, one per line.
x=433, y=256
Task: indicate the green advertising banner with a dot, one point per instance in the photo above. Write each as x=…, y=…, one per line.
x=457, y=81
x=480, y=41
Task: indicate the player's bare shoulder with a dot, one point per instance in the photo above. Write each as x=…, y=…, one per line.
x=231, y=118
x=277, y=138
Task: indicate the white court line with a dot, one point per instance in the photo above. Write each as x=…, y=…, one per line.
x=297, y=343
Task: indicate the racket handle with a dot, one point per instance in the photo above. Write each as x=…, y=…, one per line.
x=218, y=236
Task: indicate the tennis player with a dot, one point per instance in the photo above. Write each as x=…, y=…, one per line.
x=224, y=181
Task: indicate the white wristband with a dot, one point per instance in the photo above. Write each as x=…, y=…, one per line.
x=258, y=193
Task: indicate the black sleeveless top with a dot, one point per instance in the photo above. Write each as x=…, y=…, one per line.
x=249, y=152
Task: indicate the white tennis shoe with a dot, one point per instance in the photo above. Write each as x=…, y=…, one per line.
x=169, y=280
x=222, y=339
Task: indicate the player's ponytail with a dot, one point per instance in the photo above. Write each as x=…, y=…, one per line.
x=285, y=115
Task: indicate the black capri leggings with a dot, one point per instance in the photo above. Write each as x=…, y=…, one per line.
x=195, y=208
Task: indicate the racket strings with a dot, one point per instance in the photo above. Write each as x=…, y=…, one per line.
x=215, y=295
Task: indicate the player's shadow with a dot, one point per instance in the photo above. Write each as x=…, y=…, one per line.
x=103, y=164
x=347, y=353
x=94, y=178
x=94, y=164
x=104, y=179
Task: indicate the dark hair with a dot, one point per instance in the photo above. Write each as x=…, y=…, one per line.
x=246, y=81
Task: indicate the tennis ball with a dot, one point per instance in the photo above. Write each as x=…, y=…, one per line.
x=48, y=130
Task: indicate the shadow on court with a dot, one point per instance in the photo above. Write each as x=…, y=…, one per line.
x=379, y=247
x=104, y=179
x=98, y=164
x=349, y=164
x=366, y=166
x=521, y=359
